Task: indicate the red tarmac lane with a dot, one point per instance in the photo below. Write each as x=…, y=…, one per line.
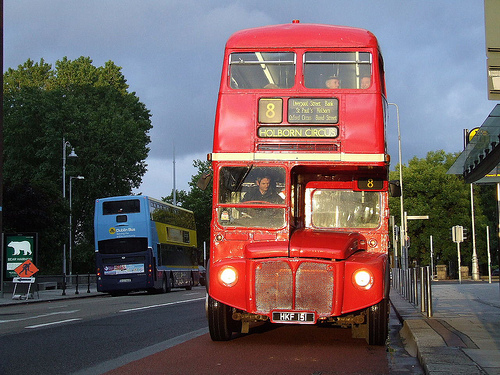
x=285, y=349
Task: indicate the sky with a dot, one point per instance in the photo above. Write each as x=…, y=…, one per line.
x=171, y=54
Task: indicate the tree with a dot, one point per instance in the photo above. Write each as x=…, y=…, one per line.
x=429, y=190
x=90, y=108
x=197, y=200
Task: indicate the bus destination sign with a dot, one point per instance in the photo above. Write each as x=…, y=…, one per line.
x=298, y=132
x=313, y=110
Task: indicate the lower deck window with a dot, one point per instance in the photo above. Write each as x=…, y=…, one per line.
x=329, y=208
x=251, y=217
x=252, y=196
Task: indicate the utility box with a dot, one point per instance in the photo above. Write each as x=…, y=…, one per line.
x=441, y=272
x=464, y=272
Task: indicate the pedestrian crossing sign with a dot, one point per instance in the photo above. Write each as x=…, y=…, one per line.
x=26, y=269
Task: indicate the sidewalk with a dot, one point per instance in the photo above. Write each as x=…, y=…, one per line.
x=50, y=295
x=462, y=336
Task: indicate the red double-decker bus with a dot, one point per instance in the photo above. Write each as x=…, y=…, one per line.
x=300, y=206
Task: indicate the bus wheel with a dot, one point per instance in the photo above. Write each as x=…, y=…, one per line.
x=191, y=283
x=169, y=283
x=164, y=285
x=220, y=320
x=378, y=323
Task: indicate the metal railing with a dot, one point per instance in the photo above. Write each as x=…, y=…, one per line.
x=414, y=284
x=77, y=280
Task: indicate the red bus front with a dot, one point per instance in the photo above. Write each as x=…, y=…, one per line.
x=300, y=210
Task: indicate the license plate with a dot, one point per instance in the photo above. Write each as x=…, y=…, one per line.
x=293, y=317
x=125, y=281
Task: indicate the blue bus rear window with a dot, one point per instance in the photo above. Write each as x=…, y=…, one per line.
x=123, y=245
x=121, y=207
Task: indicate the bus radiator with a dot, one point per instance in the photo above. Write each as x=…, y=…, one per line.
x=274, y=281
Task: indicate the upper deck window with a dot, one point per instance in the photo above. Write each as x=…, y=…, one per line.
x=166, y=214
x=262, y=70
x=337, y=70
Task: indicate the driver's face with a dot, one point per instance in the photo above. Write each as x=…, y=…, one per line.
x=264, y=185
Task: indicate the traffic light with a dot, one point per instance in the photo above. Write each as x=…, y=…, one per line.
x=457, y=234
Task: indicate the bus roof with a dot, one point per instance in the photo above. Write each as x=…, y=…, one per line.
x=148, y=198
x=297, y=35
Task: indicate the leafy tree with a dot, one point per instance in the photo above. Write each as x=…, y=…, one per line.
x=107, y=127
x=44, y=214
x=199, y=201
x=429, y=190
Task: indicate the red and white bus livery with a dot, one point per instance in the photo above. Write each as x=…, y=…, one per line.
x=299, y=228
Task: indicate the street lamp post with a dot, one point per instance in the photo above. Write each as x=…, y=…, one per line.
x=73, y=155
x=475, y=265
x=70, y=223
x=402, y=236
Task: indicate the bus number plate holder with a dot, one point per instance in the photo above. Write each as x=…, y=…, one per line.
x=293, y=317
x=125, y=280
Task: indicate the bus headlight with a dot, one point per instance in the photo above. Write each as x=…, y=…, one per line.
x=363, y=279
x=228, y=276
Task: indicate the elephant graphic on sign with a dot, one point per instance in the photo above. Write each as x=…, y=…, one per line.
x=19, y=246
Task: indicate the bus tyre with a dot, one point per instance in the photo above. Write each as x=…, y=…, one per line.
x=220, y=320
x=164, y=285
x=191, y=283
x=169, y=283
x=378, y=323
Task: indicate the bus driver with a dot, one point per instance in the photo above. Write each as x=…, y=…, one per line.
x=262, y=192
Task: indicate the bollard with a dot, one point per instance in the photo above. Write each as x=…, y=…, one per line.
x=415, y=286
x=406, y=283
x=403, y=283
x=429, y=294
x=64, y=284
x=410, y=285
x=422, y=290
x=88, y=283
x=76, y=289
x=411, y=296
x=398, y=280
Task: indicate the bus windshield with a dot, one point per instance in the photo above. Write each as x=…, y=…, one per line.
x=330, y=208
x=337, y=70
x=262, y=70
x=244, y=187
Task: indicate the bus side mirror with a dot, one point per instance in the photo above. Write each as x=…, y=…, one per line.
x=395, y=188
x=204, y=180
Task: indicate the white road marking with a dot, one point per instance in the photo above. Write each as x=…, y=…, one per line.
x=53, y=323
x=162, y=305
x=39, y=316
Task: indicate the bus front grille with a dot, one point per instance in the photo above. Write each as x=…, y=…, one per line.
x=274, y=287
x=314, y=287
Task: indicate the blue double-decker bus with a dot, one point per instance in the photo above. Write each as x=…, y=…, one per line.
x=143, y=243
